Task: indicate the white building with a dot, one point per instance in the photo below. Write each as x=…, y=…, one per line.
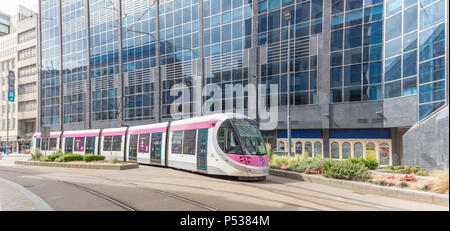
x=18, y=52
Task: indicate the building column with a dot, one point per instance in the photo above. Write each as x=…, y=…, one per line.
x=323, y=70
x=157, y=73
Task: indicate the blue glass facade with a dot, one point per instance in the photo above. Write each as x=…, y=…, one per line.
x=179, y=36
x=356, y=50
x=74, y=61
x=227, y=31
x=139, y=57
x=306, y=21
x=104, y=62
x=50, y=75
x=118, y=60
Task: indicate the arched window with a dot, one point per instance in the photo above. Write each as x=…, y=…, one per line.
x=335, y=150
x=317, y=148
x=384, y=154
x=370, y=151
x=358, y=150
x=298, y=148
x=308, y=148
x=346, y=150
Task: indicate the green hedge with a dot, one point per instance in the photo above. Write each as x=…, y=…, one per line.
x=416, y=170
x=53, y=157
x=69, y=157
x=89, y=158
x=372, y=164
x=346, y=170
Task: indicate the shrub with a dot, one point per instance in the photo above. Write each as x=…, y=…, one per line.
x=407, y=169
x=403, y=185
x=314, y=171
x=269, y=151
x=114, y=160
x=422, y=172
x=396, y=168
x=401, y=171
x=46, y=159
x=372, y=164
x=346, y=170
x=415, y=169
x=89, y=158
x=53, y=157
x=278, y=161
x=301, y=165
x=69, y=157
x=37, y=155
x=389, y=167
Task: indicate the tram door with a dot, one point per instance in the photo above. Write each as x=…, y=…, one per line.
x=133, y=148
x=202, y=145
x=155, y=155
x=90, y=145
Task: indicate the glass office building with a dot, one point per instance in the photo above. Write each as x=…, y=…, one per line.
x=367, y=77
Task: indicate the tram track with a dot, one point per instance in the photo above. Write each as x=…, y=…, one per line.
x=115, y=201
x=302, y=196
x=322, y=201
x=103, y=196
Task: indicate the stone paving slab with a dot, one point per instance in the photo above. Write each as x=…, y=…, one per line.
x=413, y=195
x=80, y=165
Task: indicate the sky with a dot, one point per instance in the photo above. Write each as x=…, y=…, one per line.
x=11, y=6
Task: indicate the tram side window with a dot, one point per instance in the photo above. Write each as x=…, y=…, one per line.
x=117, y=142
x=189, y=142
x=44, y=144
x=68, y=145
x=52, y=143
x=38, y=143
x=107, y=141
x=228, y=141
x=177, y=142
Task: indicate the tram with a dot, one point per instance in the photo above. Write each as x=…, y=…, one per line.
x=226, y=144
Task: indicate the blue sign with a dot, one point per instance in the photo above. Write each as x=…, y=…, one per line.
x=11, y=96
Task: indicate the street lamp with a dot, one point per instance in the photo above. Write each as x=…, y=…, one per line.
x=287, y=16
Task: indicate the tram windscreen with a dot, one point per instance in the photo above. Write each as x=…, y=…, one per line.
x=250, y=136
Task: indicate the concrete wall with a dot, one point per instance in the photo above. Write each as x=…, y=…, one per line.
x=426, y=143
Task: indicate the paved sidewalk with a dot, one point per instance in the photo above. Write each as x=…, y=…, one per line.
x=12, y=199
x=8, y=160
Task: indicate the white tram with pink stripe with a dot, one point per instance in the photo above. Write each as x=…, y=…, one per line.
x=220, y=144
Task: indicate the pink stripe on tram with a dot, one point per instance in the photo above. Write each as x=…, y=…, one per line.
x=208, y=124
x=119, y=133
x=81, y=135
x=252, y=160
x=151, y=130
x=51, y=136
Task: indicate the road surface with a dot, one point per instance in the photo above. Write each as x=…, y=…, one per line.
x=33, y=188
